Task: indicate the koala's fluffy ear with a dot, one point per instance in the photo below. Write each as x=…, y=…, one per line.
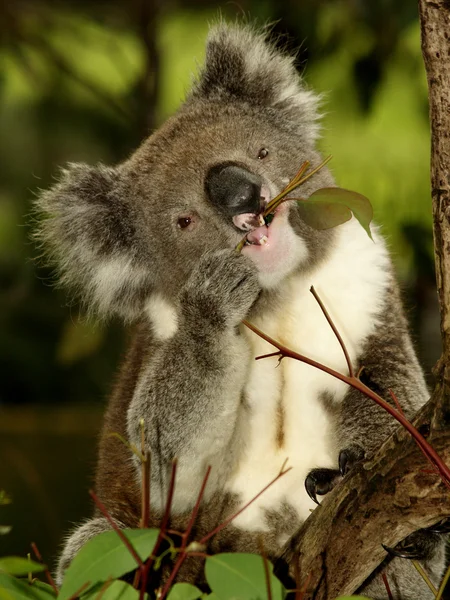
x=242, y=65
x=88, y=229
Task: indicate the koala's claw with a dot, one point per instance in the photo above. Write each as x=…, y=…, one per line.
x=442, y=526
x=410, y=551
x=419, y=545
x=349, y=457
x=321, y=481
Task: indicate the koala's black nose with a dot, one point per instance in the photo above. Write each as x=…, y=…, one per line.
x=233, y=189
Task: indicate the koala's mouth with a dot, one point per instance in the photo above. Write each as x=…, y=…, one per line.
x=255, y=224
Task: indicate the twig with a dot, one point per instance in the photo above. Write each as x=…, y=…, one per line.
x=431, y=454
x=335, y=331
x=297, y=180
x=424, y=576
x=269, y=355
x=184, y=538
x=162, y=531
x=78, y=592
x=235, y=515
x=262, y=551
x=46, y=572
x=396, y=402
x=120, y=533
x=302, y=591
x=145, y=480
x=103, y=589
x=386, y=585
x=443, y=584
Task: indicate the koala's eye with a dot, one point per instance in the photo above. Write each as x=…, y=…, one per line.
x=263, y=153
x=187, y=222
x=184, y=222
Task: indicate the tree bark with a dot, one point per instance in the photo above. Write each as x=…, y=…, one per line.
x=382, y=502
x=396, y=493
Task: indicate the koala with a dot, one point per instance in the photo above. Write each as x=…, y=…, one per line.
x=152, y=241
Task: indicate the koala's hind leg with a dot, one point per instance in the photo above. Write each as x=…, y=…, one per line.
x=78, y=538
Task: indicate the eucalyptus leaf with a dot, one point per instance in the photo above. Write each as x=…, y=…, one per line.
x=116, y=590
x=19, y=589
x=105, y=557
x=184, y=591
x=16, y=565
x=330, y=207
x=233, y=576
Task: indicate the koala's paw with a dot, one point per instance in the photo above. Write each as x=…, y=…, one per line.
x=321, y=481
x=222, y=289
x=421, y=544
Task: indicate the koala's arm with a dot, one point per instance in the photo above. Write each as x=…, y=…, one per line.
x=189, y=394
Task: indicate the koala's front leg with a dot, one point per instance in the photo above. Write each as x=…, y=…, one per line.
x=189, y=395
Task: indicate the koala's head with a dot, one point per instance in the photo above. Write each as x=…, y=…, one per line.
x=123, y=235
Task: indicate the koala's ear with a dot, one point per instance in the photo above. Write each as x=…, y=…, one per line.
x=87, y=227
x=242, y=65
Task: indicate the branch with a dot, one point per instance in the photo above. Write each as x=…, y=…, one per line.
x=354, y=382
x=435, y=22
x=335, y=331
x=381, y=502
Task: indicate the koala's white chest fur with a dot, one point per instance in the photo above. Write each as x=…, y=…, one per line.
x=286, y=416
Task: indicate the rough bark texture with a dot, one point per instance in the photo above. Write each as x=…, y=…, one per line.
x=435, y=24
x=395, y=494
x=382, y=502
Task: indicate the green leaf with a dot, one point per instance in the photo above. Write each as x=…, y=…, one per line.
x=19, y=589
x=4, y=529
x=184, y=591
x=105, y=556
x=116, y=590
x=330, y=207
x=240, y=576
x=16, y=565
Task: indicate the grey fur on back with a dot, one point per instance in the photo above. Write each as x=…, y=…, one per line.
x=145, y=240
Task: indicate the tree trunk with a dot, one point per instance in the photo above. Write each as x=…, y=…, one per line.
x=385, y=500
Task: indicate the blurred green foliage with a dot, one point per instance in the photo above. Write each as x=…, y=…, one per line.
x=85, y=82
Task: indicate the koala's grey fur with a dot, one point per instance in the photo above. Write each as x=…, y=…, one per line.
x=190, y=371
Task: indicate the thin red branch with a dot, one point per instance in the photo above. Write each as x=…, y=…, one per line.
x=431, y=454
x=335, y=331
x=302, y=592
x=46, y=572
x=145, y=491
x=79, y=591
x=269, y=355
x=396, y=402
x=266, y=569
x=161, y=535
x=235, y=515
x=103, y=589
x=387, y=586
x=184, y=538
x=113, y=524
